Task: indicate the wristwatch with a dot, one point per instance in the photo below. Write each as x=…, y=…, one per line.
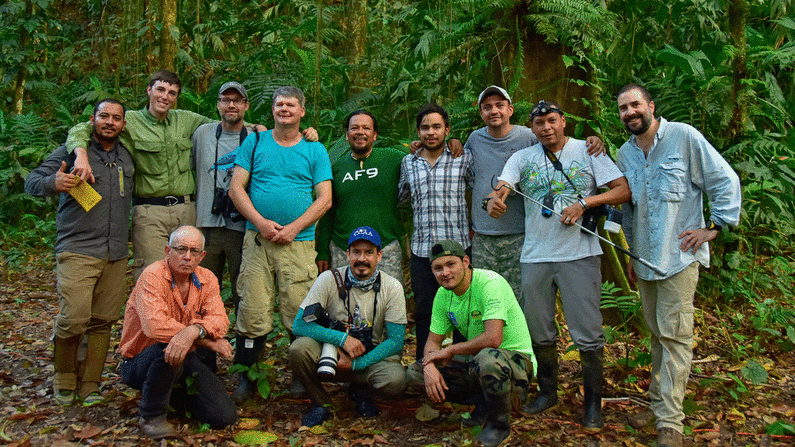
x=713, y=226
x=485, y=203
x=202, y=331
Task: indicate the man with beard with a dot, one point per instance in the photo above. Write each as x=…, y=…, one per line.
x=436, y=182
x=289, y=189
x=364, y=192
x=214, y=211
x=90, y=252
x=670, y=166
x=371, y=305
x=557, y=255
x=174, y=327
x=480, y=304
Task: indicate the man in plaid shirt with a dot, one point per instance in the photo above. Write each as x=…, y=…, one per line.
x=436, y=183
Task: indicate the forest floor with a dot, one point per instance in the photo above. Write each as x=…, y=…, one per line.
x=723, y=410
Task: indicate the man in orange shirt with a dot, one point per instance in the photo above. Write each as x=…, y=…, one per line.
x=174, y=326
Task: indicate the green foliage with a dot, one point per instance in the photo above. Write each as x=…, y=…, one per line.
x=781, y=428
x=262, y=374
x=754, y=372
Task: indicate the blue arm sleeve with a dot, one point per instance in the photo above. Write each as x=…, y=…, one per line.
x=313, y=330
x=396, y=334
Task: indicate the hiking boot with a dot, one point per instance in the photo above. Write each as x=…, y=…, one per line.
x=64, y=358
x=246, y=354
x=547, y=359
x=498, y=421
x=89, y=394
x=476, y=417
x=157, y=428
x=640, y=420
x=668, y=437
x=365, y=406
x=315, y=416
x=97, y=343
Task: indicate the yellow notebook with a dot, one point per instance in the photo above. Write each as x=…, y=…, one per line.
x=85, y=195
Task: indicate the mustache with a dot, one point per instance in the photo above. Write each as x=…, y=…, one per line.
x=361, y=264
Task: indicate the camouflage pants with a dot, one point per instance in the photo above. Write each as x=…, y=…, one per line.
x=500, y=254
x=493, y=372
x=391, y=261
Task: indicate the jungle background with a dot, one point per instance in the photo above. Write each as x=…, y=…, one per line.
x=725, y=66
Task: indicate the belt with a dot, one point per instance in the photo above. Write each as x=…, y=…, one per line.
x=162, y=201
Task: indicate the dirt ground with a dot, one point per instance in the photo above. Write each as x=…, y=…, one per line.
x=722, y=411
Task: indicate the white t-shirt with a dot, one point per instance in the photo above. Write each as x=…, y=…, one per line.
x=531, y=172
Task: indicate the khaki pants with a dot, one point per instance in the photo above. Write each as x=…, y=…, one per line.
x=386, y=378
x=265, y=266
x=668, y=310
x=151, y=227
x=90, y=290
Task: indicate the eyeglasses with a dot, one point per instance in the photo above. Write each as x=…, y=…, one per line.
x=542, y=108
x=182, y=250
x=227, y=101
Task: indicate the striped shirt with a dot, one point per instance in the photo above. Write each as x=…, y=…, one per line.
x=437, y=198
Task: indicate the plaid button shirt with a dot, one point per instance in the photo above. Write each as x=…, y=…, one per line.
x=437, y=198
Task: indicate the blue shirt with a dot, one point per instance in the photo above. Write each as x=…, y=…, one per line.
x=283, y=178
x=667, y=200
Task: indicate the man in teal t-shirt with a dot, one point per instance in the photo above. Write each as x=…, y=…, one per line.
x=282, y=171
x=365, y=192
x=480, y=304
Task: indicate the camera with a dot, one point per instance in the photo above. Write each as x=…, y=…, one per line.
x=549, y=205
x=613, y=217
x=223, y=205
x=364, y=334
x=327, y=365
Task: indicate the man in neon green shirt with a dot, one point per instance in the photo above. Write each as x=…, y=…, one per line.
x=480, y=304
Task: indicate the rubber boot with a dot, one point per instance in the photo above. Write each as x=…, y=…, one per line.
x=246, y=354
x=97, y=351
x=547, y=359
x=592, y=378
x=64, y=358
x=498, y=421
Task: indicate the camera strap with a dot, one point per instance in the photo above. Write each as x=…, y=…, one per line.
x=243, y=134
x=559, y=167
x=344, y=287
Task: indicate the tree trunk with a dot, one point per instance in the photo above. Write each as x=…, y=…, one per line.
x=19, y=91
x=168, y=45
x=738, y=18
x=354, y=25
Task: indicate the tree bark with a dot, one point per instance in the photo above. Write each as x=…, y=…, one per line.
x=738, y=19
x=168, y=45
x=355, y=27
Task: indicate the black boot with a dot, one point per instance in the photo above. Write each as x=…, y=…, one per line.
x=498, y=421
x=246, y=354
x=592, y=378
x=547, y=359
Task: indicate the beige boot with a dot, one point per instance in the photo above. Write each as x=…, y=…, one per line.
x=97, y=351
x=64, y=358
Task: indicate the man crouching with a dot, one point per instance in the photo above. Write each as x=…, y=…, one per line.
x=482, y=307
x=174, y=325
x=358, y=314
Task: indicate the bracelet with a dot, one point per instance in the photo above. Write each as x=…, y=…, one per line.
x=485, y=203
x=713, y=226
x=582, y=203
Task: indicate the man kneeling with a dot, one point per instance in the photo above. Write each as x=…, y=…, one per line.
x=358, y=314
x=174, y=325
x=482, y=307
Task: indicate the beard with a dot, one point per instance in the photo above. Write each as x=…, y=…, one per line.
x=645, y=123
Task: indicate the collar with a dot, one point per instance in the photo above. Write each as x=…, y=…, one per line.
x=663, y=127
x=153, y=119
x=446, y=149
x=194, y=279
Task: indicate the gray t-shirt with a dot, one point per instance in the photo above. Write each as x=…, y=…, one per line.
x=529, y=171
x=489, y=156
x=204, y=143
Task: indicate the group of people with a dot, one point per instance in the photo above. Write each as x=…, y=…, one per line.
x=228, y=195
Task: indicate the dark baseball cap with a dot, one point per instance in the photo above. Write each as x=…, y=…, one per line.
x=447, y=248
x=235, y=86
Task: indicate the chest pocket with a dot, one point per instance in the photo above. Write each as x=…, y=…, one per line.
x=672, y=181
x=183, y=154
x=150, y=158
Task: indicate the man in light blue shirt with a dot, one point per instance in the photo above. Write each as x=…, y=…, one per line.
x=670, y=166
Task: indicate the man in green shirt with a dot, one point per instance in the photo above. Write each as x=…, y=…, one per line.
x=159, y=139
x=364, y=188
x=480, y=304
